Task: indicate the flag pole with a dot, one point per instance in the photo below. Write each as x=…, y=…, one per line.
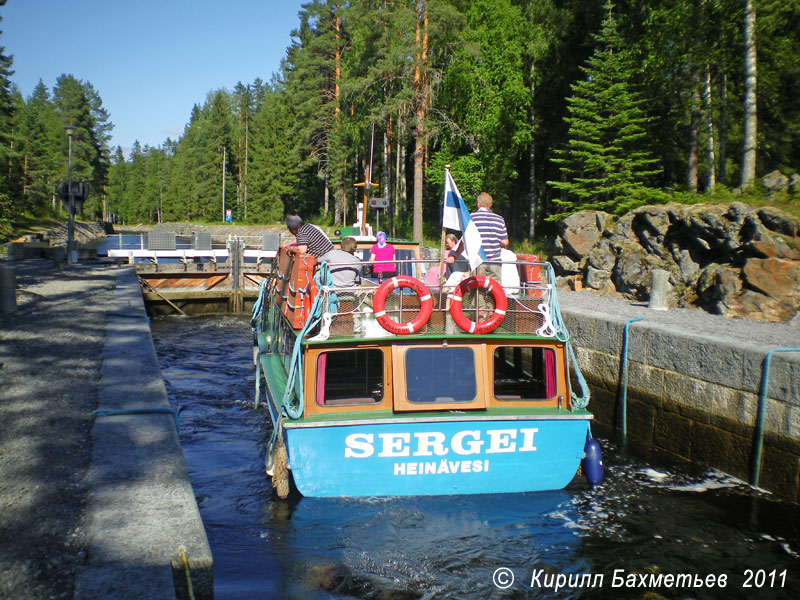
x=442, y=278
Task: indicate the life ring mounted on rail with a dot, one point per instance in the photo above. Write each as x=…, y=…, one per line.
x=500, y=304
x=425, y=305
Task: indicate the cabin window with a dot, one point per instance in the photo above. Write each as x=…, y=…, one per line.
x=440, y=375
x=349, y=377
x=524, y=373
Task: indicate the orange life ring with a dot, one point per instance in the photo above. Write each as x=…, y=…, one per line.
x=425, y=305
x=500, y=304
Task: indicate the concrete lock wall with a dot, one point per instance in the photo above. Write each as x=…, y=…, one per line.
x=693, y=387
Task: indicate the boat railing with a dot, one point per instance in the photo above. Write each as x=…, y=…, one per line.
x=527, y=285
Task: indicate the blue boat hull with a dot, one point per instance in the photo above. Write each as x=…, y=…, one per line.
x=425, y=457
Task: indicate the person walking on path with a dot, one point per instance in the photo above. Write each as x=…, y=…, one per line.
x=494, y=235
x=310, y=238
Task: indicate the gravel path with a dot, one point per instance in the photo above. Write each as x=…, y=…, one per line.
x=50, y=358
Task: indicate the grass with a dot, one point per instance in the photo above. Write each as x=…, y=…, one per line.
x=755, y=196
x=27, y=224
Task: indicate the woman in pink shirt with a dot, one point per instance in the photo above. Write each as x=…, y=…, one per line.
x=382, y=251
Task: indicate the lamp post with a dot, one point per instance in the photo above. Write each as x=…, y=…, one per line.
x=71, y=259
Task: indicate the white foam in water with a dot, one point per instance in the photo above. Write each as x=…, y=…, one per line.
x=715, y=481
x=788, y=549
x=654, y=475
x=782, y=543
x=569, y=523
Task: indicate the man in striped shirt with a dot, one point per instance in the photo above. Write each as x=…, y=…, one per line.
x=310, y=238
x=494, y=235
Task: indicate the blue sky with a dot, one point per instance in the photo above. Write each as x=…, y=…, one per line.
x=150, y=60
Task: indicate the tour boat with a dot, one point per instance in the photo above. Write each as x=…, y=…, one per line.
x=404, y=388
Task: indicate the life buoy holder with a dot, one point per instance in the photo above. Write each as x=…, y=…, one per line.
x=500, y=304
x=425, y=305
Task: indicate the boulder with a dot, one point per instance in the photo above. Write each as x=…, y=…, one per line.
x=631, y=273
x=778, y=221
x=735, y=260
x=774, y=277
x=601, y=256
x=580, y=231
x=775, y=182
x=716, y=284
x=564, y=265
x=596, y=278
x=794, y=183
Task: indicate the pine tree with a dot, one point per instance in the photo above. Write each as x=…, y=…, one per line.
x=9, y=185
x=606, y=163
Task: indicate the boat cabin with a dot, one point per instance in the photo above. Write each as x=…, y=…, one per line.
x=351, y=361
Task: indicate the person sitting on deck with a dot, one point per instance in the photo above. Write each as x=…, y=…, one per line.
x=345, y=267
x=310, y=238
x=457, y=269
x=457, y=263
x=382, y=251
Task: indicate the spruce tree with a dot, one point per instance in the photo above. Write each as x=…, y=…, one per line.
x=43, y=136
x=117, y=184
x=605, y=164
x=273, y=177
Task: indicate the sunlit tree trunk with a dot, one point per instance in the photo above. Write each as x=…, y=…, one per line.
x=694, y=127
x=723, y=130
x=532, y=162
x=709, y=119
x=400, y=169
x=750, y=81
x=421, y=37
x=341, y=196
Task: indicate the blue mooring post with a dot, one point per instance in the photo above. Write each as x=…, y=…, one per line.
x=758, y=443
x=624, y=382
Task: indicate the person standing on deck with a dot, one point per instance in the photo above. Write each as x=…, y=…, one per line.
x=381, y=251
x=494, y=235
x=310, y=238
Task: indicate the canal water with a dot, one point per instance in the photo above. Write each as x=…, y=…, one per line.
x=650, y=521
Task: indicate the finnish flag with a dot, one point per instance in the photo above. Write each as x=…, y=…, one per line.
x=456, y=217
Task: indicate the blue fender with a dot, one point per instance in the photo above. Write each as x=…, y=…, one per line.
x=592, y=462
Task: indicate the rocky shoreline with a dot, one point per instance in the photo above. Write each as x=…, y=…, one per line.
x=734, y=260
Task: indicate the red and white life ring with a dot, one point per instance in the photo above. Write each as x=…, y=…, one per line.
x=500, y=304
x=425, y=305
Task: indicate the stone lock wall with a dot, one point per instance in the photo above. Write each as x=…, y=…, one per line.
x=693, y=386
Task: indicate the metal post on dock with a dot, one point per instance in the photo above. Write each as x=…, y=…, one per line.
x=659, y=288
x=72, y=254
x=235, y=254
x=8, y=290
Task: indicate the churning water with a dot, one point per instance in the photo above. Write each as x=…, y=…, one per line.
x=651, y=526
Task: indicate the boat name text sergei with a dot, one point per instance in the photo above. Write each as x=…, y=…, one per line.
x=437, y=443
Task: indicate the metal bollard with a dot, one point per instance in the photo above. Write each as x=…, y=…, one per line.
x=8, y=290
x=659, y=289
x=59, y=256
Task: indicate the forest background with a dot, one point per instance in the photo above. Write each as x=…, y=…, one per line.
x=551, y=106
